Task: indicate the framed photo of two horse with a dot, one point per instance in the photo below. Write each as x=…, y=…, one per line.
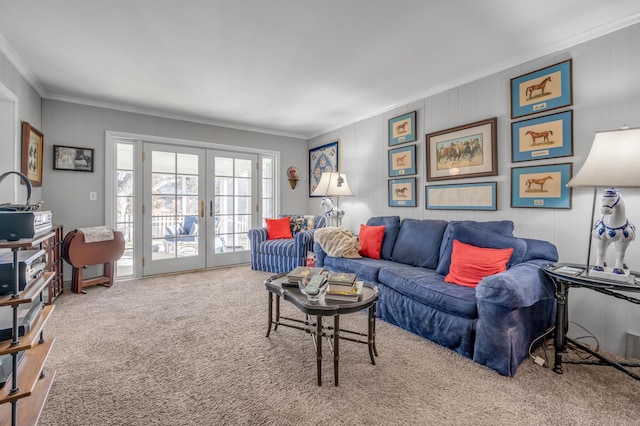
x=463, y=152
x=541, y=186
x=72, y=158
x=542, y=90
x=549, y=136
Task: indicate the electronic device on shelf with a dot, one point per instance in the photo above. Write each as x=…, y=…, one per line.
x=16, y=225
x=31, y=265
x=23, y=220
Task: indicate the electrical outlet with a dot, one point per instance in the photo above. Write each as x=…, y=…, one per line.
x=93, y=196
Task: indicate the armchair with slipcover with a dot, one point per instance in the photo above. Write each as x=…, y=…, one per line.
x=284, y=254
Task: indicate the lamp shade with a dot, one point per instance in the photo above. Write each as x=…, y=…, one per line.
x=614, y=160
x=333, y=184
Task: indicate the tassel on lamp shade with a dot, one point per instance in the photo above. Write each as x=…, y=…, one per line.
x=333, y=184
x=613, y=162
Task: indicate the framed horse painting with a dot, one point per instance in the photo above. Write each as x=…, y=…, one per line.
x=402, y=192
x=542, y=90
x=463, y=152
x=402, y=161
x=402, y=129
x=541, y=186
x=550, y=136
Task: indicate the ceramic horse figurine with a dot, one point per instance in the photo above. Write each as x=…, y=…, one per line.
x=331, y=211
x=614, y=227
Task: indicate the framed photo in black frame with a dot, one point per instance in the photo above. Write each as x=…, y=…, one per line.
x=72, y=158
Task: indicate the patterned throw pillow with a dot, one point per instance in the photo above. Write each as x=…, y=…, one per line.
x=298, y=222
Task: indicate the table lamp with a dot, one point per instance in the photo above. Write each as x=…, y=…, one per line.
x=333, y=184
x=613, y=162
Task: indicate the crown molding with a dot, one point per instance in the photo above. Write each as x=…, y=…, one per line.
x=512, y=62
x=22, y=68
x=169, y=115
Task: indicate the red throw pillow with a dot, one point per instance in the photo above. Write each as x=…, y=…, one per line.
x=470, y=264
x=371, y=240
x=279, y=228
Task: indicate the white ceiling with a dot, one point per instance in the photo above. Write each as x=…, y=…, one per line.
x=293, y=67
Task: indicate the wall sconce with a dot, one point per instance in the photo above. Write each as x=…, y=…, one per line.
x=294, y=176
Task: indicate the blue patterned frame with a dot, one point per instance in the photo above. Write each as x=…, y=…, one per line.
x=519, y=109
x=322, y=159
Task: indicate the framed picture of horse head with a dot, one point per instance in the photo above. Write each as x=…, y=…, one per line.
x=542, y=90
x=402, y=192
x=463, y=152
x=541, y=186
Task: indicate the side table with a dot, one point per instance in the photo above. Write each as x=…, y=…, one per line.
x=565, y=276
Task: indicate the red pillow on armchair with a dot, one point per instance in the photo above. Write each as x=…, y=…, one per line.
x=371, y=240
x=278, y=228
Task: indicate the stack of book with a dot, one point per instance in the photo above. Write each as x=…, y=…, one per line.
x=344, y=287
x=301, y=273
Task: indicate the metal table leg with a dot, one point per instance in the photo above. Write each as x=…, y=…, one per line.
x=560, y=342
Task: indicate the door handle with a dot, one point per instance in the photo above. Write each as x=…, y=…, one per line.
x=202, y=208
x=211, y=208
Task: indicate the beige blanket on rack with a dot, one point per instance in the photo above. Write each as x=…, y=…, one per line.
x=97, y=234
x=337, y=242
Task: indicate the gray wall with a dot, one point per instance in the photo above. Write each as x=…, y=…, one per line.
x=15, y=90
x=67, y=192
x=606, y=94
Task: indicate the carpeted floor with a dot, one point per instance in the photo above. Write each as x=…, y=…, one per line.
x=190, y=349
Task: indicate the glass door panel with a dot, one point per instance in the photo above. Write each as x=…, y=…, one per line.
x=173, y=209
x=233, y=201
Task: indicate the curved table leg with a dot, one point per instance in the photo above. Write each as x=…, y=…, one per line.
x=270, y=313
x=371, y=341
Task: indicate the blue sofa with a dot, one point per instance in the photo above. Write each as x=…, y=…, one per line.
x=494, y=323
x=283, y=255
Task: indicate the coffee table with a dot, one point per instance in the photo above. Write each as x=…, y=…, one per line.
x=316, y=311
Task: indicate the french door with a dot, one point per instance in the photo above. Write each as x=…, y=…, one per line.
x=232, y=196
x=198, y=207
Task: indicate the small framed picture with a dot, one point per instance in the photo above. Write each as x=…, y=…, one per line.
x=72, y=158
x=322, y=159
x=32, y=147
x=541, y=186
x=402, y=192
x=402, y=161
x=542, y=90
x=402, y=129
x=550, y=136
x=463, y=152
x=462, y=196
